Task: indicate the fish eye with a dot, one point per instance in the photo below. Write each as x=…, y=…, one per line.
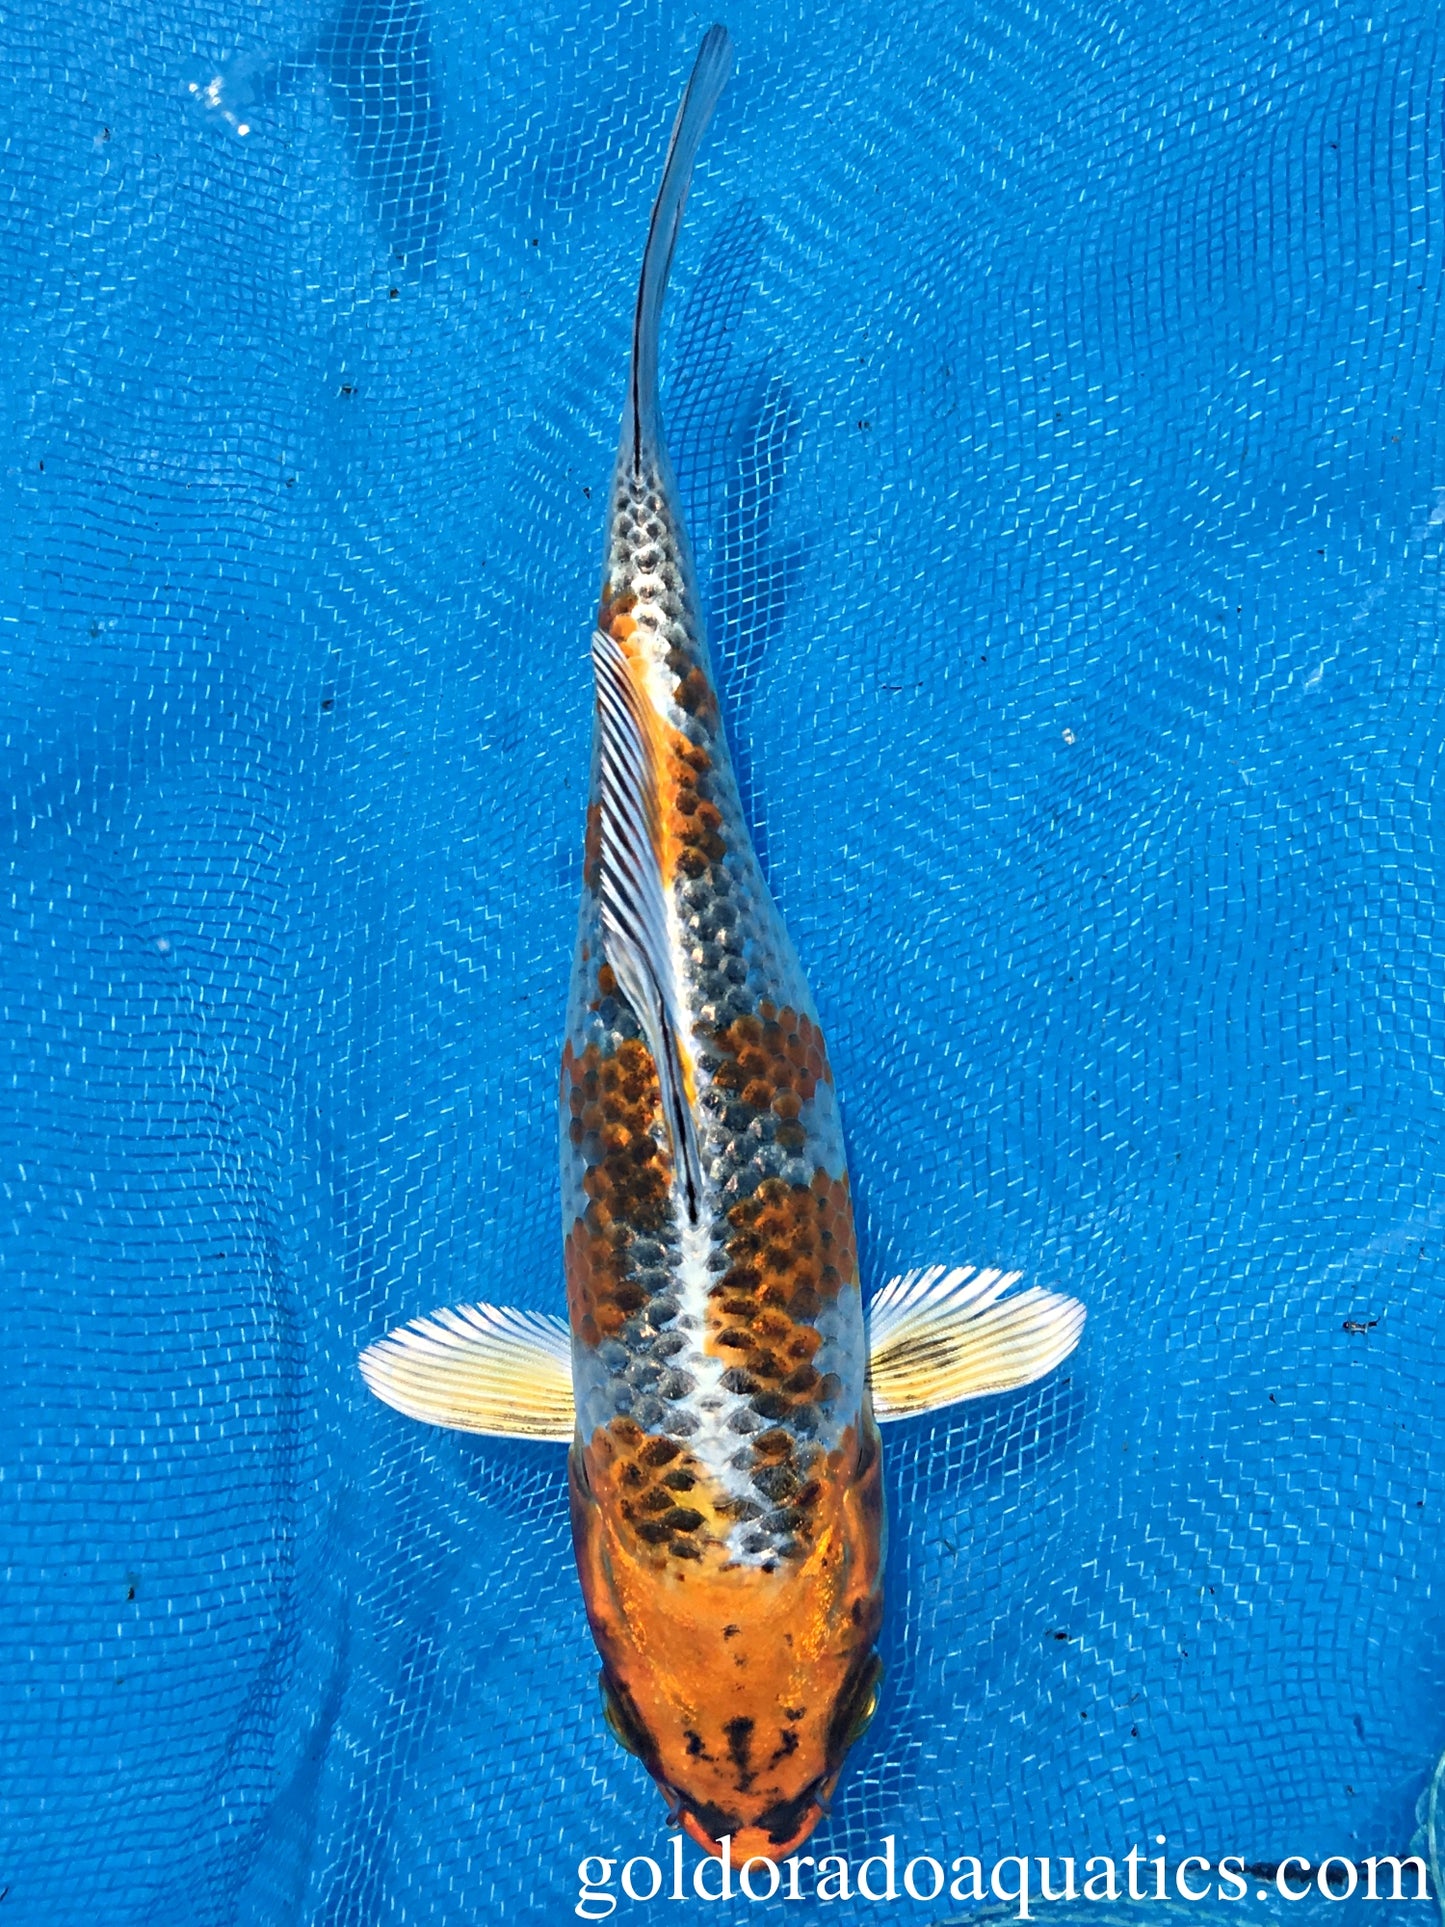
x=867, y=1702
x=863, y=1718
x=616, y=1719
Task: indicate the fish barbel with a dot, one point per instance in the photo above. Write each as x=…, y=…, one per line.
x=714, y=1378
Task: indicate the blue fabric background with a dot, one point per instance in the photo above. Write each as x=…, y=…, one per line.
x=1055, y=395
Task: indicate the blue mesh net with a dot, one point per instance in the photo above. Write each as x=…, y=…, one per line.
x=1057, y=410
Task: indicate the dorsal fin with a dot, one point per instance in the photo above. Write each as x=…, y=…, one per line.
x=709, y=76
x=635, y=932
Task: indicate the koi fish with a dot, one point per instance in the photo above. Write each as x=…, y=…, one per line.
x=715, y=1380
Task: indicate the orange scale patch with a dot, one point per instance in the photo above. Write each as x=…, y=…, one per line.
x=694, y=691
x=693, y=825
x=614, y=613
x=606, y=985
x=614, y=1102
x=792, y=1249
x=774, y=1061
x=662, y=1495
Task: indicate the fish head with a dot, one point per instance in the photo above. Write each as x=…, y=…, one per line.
x=708, y=1807
x=740, y=1687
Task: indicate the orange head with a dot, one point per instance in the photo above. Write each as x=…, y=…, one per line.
x=740, y=1686
x=741, y=1796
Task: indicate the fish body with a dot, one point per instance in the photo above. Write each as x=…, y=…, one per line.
x=726, y=1503
x=716, y=1381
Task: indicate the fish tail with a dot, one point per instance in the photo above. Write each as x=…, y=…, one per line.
x=709, y=76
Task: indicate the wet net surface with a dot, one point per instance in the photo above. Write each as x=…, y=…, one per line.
x=1055, y=398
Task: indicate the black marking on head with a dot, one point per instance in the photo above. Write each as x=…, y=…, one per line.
x=787, y=1743
x=695, y=1748
x=714, y=1820
x=739, y=1735
x=785, y=1820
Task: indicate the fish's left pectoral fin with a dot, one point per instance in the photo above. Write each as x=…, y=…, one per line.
x=478, y=1368
x=939, y=1336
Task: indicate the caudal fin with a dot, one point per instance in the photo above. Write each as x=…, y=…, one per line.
x=709, y=76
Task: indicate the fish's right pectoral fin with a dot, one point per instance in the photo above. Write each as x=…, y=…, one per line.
x=478, y=1368
x=939, y=1336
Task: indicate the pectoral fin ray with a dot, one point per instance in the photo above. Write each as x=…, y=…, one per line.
x=939, y=1336
x=478, y=1368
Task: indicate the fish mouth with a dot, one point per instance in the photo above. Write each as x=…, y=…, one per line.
x=772, y=1836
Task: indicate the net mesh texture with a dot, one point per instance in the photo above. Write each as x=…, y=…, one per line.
x=1055, y=400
